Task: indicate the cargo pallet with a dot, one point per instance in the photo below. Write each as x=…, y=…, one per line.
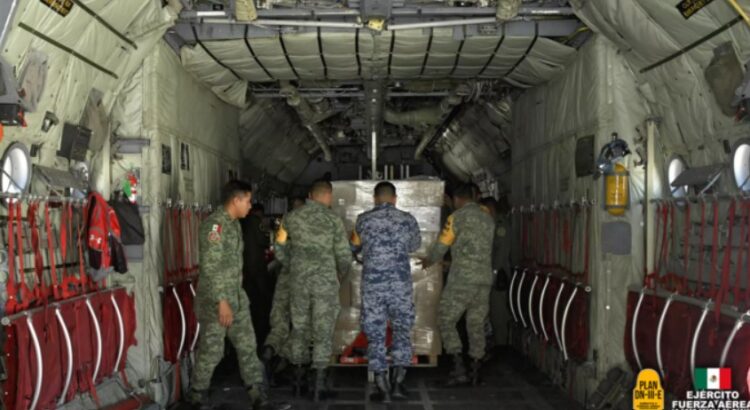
x=359, y=361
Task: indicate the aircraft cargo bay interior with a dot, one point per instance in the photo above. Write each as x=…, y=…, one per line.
x=374, y=204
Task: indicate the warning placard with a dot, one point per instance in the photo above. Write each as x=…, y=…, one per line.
x=648, y=393
x=689, y=7
x=62, y=7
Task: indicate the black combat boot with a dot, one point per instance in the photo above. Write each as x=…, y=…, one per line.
x=458, y=375
x=196, y=400
x=299, y=385
x=279, y=372
x=384, y=388
x=266, y=358
x=268, y=354
x=281, y=365
x=319, y=392
x=398, y=391
x=475, y=366
x=259, y=399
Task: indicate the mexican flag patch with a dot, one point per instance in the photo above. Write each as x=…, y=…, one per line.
x=713, y=378
x=215, y=235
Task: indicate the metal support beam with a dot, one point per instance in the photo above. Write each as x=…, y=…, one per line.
x=314, y=13
x=8, y=11
x=374, y=104
x=651, y=177
x=334, y=93
x=375, y=9
x=236, y=31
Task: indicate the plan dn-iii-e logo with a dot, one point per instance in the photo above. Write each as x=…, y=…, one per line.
x=62, y=7
x=648, y=393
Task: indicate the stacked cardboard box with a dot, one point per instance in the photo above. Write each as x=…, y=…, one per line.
x=423, y=199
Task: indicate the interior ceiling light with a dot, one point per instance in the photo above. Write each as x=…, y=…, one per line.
x=16, y=171
x=741, y=166
x=676, y=167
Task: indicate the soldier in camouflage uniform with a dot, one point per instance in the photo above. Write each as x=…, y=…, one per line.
x=313, y=242
x=386, y=236
x=469, y=234
x=221, y=305
x=277, y=342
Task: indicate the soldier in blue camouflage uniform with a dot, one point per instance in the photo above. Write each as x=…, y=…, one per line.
x=469, y=233
x=314, y=244
x=386, y=236
x=221, y=305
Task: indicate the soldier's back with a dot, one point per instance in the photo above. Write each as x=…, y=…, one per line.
x=311, y=230
x=388, y=236
x=472, y=252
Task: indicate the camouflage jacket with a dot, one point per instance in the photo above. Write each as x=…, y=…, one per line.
x=220, y=247
x=312, y=242
x=469, y=233
x=386, y=236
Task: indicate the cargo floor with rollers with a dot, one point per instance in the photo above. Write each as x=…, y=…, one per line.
x=508, y=382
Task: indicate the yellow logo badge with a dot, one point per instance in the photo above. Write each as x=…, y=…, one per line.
x=648, y=393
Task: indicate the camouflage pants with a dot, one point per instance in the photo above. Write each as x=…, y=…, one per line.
x=313, y=320
x=455, y=300
x=210, y=349
x=380, y=303
x=278, y=338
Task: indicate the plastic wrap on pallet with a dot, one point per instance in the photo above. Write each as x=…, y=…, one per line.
x=410, y=193
x=425, y=341
x=347, y=328
x=427, y=217
x=428, y=283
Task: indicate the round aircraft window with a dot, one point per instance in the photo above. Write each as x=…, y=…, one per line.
x=676, y=167
x=16, y=164
x=741, y=166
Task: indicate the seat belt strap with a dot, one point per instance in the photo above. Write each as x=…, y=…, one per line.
x=42, y=292
x=701, y=254
x=27, y=296
x=714, y=250
x=51, y=253
x=726, y=265
x=86, y=284
x=11, y=287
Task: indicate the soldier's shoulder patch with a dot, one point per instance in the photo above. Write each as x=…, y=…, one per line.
x=215, y=235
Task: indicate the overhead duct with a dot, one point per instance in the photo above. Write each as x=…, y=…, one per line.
x=499, y=112
x=317, y=133
x=442, y=111
x=310, y=114
x=414, y=118
x=245, y=10
x=507, y=9
x=430, y=115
